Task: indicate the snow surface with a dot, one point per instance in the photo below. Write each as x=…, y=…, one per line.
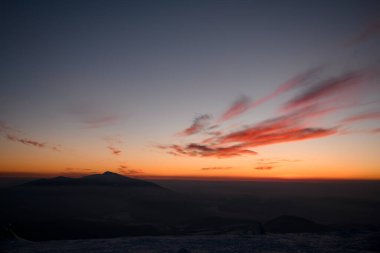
x=270, y=243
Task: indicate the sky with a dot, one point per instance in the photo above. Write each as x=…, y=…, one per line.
x=191, y=89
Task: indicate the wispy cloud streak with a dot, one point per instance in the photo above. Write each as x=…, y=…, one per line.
x=326, y=89
x=282, y=129
x=370, y=31
x=123, y=169
x=263, y=168
x=114, y=150
x=12, y=134
x=216, y=168
x=26, y=141
x=198, y=125
x=363, y=116
x=238, y=107
x=101, y=121
x=297, y=121
x=244, y=103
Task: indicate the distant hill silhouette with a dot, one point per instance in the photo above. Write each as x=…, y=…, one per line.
x=95, y=206
x=293, y=224
x=105, y=179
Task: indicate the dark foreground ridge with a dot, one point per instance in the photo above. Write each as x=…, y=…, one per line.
x=293, y=224
x=109, y=205
x=106, y=179
x=276, y=243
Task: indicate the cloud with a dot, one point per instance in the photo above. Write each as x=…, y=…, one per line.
x=286, y=128
x=270, y=163
x=216, y=168
x=241, y=105
x=4, y=127
x=362, y=116
x=100, y=121
x=263, y=168
x=12, y=134
x=26, y=141
x=198, y=125
x=114, y=150
x=370, y=31
x=297, y=122
x=326, y=89
x=199, y=150
x=123, y=169
x=113, y=143
x=244, y=103
x=256, y=137
x=77, y=169
x=94, y=115
x=297, y=81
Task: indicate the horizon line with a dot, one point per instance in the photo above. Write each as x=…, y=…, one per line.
x=186, y=178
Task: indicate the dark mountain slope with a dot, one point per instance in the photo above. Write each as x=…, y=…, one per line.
x=104, y=205
x=293, y=224
x=105, y=179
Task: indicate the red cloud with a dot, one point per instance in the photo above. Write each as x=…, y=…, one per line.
x=198, y=125
x=278, y=130
x=320, y=99
x=256, y=137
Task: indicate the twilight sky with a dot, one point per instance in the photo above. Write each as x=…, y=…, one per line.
x=223, y=89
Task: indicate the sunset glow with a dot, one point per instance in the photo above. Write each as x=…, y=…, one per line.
x=191, y=90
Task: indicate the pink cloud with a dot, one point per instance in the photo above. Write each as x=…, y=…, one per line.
x=299, y=80
x=287, y=128
x=363, y=116
x=238, y=107
x=198, y=125
x=298, y=122
x=244, y=103
x=326, y=89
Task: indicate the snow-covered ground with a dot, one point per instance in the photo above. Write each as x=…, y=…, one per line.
x=332, y=242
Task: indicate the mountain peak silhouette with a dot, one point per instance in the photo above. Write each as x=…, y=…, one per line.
x=107, y=178
x=111, y=173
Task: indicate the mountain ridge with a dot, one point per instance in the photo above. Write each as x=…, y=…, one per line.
x=107, y=178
